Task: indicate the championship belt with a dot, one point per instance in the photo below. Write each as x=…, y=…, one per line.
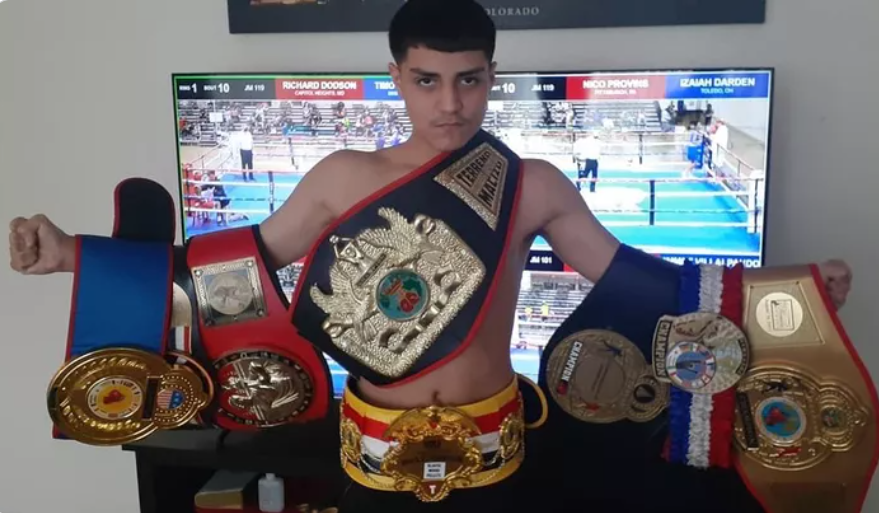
x=597, y=365
x=703, y=353
x=398, y=285
x=434, y=450
x=598, y=369
x=119, y=383
x=118, y=386
x=266, y=375
x=761, y=372
x=805, y=429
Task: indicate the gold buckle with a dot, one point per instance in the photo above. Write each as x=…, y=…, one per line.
x=432, y=452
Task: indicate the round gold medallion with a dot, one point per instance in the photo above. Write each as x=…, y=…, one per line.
x=600, y=376
x=178, y=359
x=230, y=293
x=702, y=353
x=262, y=388
x=787, y=419
x=649, y=398
x=118, y=395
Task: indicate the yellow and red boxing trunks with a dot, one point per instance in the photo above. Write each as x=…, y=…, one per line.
x=432, y=451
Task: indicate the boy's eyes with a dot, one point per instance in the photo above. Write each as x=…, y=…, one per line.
x=427, y=81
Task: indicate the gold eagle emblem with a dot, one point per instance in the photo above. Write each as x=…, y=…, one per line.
x=394, y=288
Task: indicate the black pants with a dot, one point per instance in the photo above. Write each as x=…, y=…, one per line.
x=618, y=468
x=590, y=170
x=514, y=494
x=578, y=480
x=247, y=162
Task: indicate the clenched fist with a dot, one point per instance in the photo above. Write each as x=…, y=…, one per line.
x=37, y=246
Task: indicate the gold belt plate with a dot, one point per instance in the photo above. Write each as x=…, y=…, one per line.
x=395, y=288
x=432, y=452
x=599, y=376
x=262, y=388
x=789, y=420
x=118, y=395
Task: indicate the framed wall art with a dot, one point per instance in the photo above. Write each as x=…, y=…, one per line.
x=278, y=16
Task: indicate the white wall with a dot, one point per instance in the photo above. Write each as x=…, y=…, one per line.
x=85, y=101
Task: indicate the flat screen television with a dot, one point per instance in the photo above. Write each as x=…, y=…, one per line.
x=674, y=162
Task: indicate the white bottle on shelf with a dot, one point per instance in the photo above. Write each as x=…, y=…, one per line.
x=271, y=494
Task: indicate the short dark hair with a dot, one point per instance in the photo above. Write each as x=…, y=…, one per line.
x=442, y=25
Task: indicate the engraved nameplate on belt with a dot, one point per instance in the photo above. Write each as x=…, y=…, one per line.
x=478, y=180
x=779, y=315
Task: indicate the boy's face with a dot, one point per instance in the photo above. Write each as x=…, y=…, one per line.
x=446, y=94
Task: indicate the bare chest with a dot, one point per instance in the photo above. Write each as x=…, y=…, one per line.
x=527, y=217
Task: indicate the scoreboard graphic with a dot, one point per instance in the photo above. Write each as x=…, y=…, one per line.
x=509, y=87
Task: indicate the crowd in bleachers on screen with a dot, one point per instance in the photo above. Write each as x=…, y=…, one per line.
x=202, y=120
x=207, y=121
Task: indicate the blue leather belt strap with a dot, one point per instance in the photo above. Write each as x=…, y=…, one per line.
x=122, y=295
